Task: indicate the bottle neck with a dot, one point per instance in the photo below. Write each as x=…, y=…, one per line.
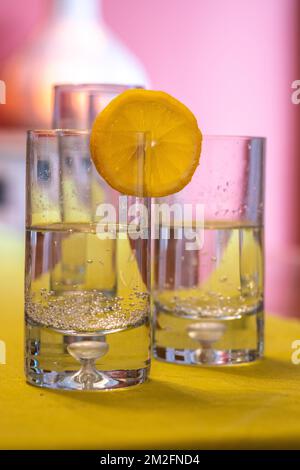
x=80, y=10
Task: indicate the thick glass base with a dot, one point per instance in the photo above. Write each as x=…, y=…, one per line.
x=70, y=380
x=208, y=341
x=86, y=362
x=205, y=357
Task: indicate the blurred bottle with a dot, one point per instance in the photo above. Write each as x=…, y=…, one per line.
x=75, y=47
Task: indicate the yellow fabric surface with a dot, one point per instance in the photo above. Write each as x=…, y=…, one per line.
x=250, y=406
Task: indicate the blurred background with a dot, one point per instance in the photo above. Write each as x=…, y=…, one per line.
x=231, y=61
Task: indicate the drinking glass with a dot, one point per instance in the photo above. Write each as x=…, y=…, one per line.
x=87, y=264
x=208, y=259
x=76, y=106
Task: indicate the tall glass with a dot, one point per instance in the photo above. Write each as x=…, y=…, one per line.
x=76, y=106
x=87, y=265
x=208, y=259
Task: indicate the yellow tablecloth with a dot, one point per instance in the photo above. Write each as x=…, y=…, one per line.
x=252, y=406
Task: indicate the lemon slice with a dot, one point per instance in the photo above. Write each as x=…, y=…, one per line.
x=158, y=166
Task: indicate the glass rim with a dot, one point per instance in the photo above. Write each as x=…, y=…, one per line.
x=94, y=86
x=62, y=131
x=233, y=137
x=57, y=132
x=77, y=132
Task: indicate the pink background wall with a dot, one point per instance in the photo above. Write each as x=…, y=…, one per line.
x=232, y=62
